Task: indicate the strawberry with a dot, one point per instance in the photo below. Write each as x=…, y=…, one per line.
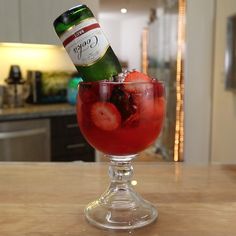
x=105, y=116
x=136, y=77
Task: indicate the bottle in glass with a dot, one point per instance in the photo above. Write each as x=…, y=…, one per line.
x=86, y=44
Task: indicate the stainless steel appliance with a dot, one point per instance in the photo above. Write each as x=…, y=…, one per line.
x=25, y=140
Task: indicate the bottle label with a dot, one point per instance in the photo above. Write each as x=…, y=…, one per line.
x=85, y=42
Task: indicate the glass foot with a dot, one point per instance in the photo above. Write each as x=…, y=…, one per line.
x=120, y=207
x=121, y=210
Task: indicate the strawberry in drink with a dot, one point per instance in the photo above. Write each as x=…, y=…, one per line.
x=121, y=118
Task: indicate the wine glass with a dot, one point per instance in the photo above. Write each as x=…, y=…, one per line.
x=120, y=119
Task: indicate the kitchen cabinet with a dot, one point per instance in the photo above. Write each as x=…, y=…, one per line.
x=32, y=21
x=67, y=142
x=37, y=18
x=42, y=133
x=9, y=21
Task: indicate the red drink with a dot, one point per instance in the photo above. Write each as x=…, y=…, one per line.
x=121, y=118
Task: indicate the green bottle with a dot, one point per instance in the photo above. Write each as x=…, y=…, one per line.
x=86, y=44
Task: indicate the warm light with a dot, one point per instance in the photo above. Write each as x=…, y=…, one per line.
x=179, y=127
x=29, y=45
x=134, y=182
x=24, y=52
x=123, y=10
x=33, y=57
x=144, y=45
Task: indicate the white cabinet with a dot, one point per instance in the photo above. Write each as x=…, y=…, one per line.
x=32, y=21
x=36, y=22
x=9, y=21
x=37, y=18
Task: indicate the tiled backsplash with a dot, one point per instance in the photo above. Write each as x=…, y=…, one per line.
x=33, y=57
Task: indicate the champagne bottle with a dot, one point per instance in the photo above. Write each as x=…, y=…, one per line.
x=86, y=44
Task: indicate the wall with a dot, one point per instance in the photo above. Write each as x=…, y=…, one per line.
x=198, y=80
x=124, y=35
x=131, y=40
x=33, y=57
x=224, y=102
x=112, y=28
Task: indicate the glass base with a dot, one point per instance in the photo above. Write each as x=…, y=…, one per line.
x=120, y=207
x=129, y=212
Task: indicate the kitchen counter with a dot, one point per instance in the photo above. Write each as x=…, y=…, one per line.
x=48, y=199
x=36, y=111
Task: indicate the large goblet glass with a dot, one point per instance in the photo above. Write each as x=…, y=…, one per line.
x=120, y=119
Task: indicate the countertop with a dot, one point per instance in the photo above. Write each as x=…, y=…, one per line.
x=36, y=111
x=47, y=199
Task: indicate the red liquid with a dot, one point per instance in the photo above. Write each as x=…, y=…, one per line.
x=120, y=119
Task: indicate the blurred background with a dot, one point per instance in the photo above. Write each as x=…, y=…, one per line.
x=187, y=44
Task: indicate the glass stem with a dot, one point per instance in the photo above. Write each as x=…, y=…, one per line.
x=120, y=207
x=120, y=188
x=121, y=173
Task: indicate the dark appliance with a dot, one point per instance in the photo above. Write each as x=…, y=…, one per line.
x=47, y=86
x=17, y=89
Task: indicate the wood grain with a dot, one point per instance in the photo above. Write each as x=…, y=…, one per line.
x=46, y=199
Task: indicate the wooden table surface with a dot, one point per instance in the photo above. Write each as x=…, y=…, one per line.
x=48, y=199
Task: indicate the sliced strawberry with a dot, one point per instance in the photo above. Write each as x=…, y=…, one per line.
x=136, y=77
x=105, y=116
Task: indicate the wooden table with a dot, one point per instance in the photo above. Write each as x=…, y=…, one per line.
x=48, y=199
